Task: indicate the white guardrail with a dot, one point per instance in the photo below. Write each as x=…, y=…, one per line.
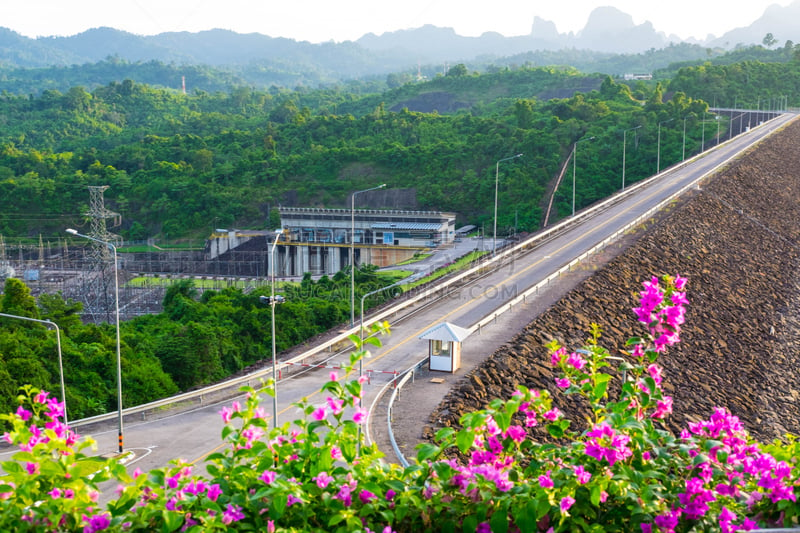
x=409, y=373
x=191, y=396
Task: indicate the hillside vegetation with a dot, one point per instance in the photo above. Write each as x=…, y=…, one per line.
x=176, y=164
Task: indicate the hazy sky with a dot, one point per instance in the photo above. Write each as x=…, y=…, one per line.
x=342, y=20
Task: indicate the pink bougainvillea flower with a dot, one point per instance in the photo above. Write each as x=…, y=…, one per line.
x=566, y=503
x=319, y=414
x=233, y=513
x=582, y=475
x=322, y=479
x=268, y=477
x=360, y=416
x=214, y=492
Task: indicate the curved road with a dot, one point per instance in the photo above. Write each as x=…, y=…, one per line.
x=193, y=435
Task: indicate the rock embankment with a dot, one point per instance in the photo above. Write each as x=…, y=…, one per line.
x=737, y=241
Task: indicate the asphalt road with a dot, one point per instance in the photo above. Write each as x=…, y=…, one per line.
x=193, y=435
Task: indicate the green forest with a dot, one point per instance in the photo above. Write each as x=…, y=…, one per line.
x=196, y=340
x=178, y=165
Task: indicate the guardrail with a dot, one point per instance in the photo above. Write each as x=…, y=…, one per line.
x=409, y=374
x=233, y=384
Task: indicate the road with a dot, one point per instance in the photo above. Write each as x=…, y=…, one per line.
x=193, y=435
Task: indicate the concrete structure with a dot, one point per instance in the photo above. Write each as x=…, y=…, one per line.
x=318, y=240
x=418, y=229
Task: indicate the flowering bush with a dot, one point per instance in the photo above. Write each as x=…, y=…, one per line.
x=624, y=472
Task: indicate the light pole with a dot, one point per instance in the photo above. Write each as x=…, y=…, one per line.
x=575, y=155
x=496, y=181
x=353, y=252
x=58, y=346
x=119, y=357
x=361, y=336
x=658, y=156
x=624, y=146
x=683, y=155
x=274, y=352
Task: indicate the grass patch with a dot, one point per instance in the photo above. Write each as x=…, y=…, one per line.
x=459, y=264
x=417, y=257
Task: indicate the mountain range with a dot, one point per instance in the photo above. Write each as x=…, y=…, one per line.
x=608, y=30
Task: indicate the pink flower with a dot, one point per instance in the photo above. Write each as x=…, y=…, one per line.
x=336, y=405
x=41, y=397
x=576, y=361
x=291, y=499
x=563, y=382
x=319, y=414
x=322, y=479
x=268, y=477
x=516, y=433
x=566, y=503
x=582, y=475
x=23, y=413
x=663, y=408
x=233, y=513
x=552, y=415
x=336, y=453
x=226, y=414
x=97, y=522
x=545, y=481
x=360, y=416
x=366, y=496
x=655, y=372
x=32, y=468
x=213, y=492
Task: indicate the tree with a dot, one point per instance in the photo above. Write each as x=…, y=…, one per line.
x=769, y=40
x=17, y=299
x=457, y=71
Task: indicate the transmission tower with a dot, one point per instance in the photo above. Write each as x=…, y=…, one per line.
x=98, y=282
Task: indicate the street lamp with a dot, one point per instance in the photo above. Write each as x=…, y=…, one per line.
x=574, y=156
x=683, y=154
x=58, y=346
x=658, y=157
x=119, y=357
x=272, y=302
x=496, y=181
x=361, y=336
x=353, y=252
x=624, y=145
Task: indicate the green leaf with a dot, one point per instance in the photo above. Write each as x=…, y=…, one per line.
x=464, y=440
x=426, y=451
x=594, y=496
x=499, y=522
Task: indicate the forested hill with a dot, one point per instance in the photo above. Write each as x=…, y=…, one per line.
x=179, y=163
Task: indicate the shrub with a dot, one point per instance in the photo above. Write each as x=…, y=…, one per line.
x=625, y=472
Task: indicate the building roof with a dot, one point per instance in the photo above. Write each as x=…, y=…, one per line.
x=446, y=331
x=406, y=225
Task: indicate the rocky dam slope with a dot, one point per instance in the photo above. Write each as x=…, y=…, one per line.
x=736, y=239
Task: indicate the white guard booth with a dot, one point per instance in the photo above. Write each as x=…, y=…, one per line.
x=444, y=346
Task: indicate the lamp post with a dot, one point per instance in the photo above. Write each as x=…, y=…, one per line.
x=58, y=346
x=272, y=302
x=624, y=147
x=496, y=181
x=353, y=252
x=574, y=156
x=658, y=156
x=119, y=357
x=361, y=336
